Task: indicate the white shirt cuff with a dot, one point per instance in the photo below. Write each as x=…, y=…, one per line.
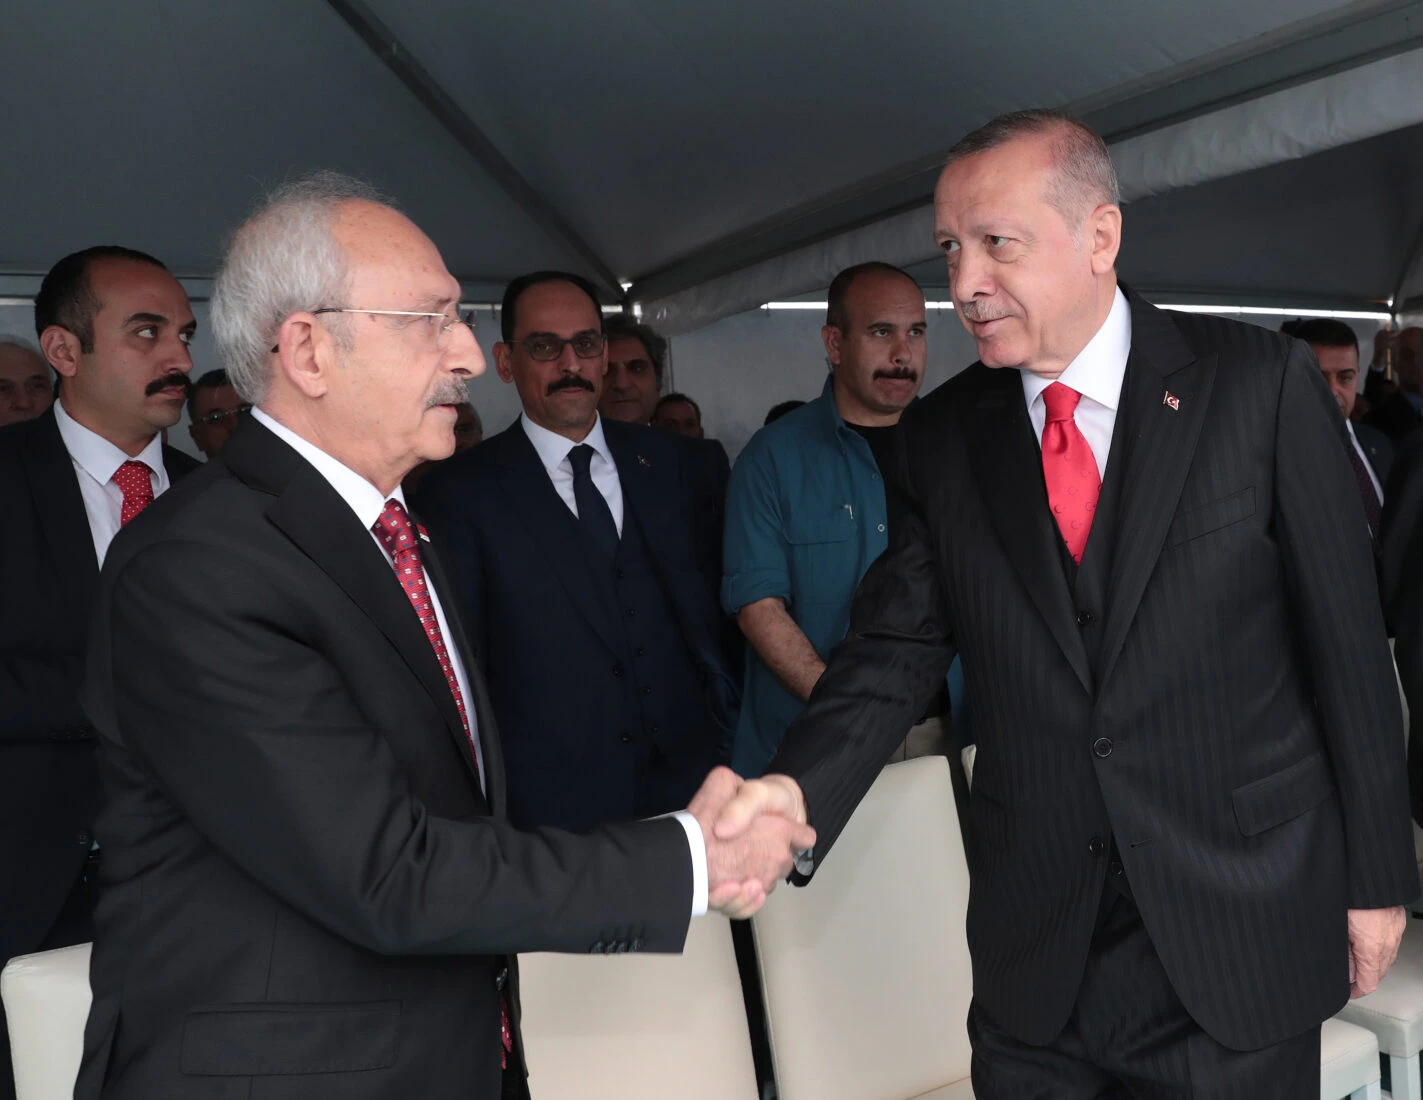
x=698, y=845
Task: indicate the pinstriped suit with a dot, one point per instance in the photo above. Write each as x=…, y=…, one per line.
x=1227, y=714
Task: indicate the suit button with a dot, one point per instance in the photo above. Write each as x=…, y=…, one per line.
x=1115, y=867
x=84, y=838
x=652, y=729
x=639, y=652
x=1095, y=847
x=1084, y=618
x=625, y=737
x=632, y=612
x=617, y=670
x=621, y=575
x=1102, y=747
x=647, y=691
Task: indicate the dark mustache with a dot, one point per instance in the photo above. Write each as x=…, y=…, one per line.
x=897, y=372
x=570, y=382
x=173, y=378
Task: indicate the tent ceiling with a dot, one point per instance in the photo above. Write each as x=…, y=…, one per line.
x=657, y=133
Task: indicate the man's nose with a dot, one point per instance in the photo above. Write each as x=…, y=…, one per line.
x=969, y=276
x=464, y=356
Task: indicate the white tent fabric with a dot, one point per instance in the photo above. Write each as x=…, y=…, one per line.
x=1336, y=110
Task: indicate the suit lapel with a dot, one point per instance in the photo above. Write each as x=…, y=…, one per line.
x=1164, y=402
x=54, y=488
x=1008, y=466
x=312, y=514
x=555, y=531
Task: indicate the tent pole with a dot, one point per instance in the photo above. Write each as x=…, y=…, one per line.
x=1410, y=264
x=432, y=96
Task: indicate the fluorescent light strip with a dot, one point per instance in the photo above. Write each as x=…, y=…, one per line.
x=1285, y=311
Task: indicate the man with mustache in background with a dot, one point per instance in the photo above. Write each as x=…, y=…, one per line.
x=115, y=327
x=569, y=539
x=806, y=512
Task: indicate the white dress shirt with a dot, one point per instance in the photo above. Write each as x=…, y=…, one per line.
x=553, y=452
x=1096, y=374
x=1369, y=466
x=368, y=503
x=96, y=460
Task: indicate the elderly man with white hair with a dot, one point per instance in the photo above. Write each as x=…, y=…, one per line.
x=310, y=888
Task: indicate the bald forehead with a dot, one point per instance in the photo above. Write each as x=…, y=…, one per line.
x=21, y=362
x=385, y=247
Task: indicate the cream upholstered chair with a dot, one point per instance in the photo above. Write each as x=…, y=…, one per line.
x=1348, y=1063
x=639, y=1027
x=866, y=971
x=46, y=1006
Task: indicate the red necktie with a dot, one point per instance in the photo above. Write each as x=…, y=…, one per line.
x=134, y=480
x=397, y=534
x=1069, y=469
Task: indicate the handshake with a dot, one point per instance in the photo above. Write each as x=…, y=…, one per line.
x=752, y=829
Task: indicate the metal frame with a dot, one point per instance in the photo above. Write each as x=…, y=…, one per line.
x=1410, y=264
x=449, y=114
x=1307, y=51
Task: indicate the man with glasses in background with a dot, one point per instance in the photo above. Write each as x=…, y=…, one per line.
x=569, y=539
x=213, y=411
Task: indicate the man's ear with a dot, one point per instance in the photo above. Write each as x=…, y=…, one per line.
x=833, y=338
x=1104, y=226
x=504, y=361
x=305, y=354
x=61, y=349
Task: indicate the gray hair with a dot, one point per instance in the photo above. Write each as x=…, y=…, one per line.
x=23, y=344
x=283, y=259
x=1084, y=178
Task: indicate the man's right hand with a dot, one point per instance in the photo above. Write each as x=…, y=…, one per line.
x=744, y=866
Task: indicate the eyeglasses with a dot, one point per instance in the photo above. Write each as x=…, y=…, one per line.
x=545, y=347
x=446, y=322
x=219, y=417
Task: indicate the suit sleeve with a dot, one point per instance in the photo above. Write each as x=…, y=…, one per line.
x=879, y=678
x=253, y=735
x=1403, y=598
x=1324, y=537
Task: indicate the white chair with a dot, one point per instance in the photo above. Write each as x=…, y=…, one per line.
x=1394, y=1013
x=639, y=1027
x=46, y=1006
x=1348, y=1062
x=866, y=971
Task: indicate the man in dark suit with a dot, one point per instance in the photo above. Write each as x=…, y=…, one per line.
x=1402, y=572
x=570, y=542
x=1188, y=836
x=1370, y=453
x=309, y=886
x=115, y=326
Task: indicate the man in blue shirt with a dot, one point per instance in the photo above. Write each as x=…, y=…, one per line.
x=806, y=511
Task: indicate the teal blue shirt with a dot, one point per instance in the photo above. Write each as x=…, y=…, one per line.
x=805, y=518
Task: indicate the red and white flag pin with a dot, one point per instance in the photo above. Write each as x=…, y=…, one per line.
x=1172, y=401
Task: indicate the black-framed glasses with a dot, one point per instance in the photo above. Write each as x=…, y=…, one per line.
x=219, y=416
x=446, y=321
x=546, y=347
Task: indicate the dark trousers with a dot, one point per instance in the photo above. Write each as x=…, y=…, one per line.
x=1130, y=1036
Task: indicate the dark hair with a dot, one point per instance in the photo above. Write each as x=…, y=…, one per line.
x=67, y=297
x=1326, y=332
x=674, y=397
x=213, y=379
x=515, y=290
x=840, y=287
x=778, y=411
x=624, y=324
x=1084, y=176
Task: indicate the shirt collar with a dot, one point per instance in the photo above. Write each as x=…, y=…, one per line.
x=99, y=458
x=553, y=448
x=364, y=498
x=1099, y=368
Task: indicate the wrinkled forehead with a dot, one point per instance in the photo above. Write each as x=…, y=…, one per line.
x=1008, y=180
x=392, y=264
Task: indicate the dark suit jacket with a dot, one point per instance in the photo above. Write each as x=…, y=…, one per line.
x=1402, y=541
x=551, y=642
x=1377, y=449
x=49, y=787
x=304, y=891
x=1239, y=738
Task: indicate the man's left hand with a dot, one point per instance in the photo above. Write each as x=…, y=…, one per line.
x=1374, y=935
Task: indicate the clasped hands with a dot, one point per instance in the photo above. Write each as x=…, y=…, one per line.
x=752, y=828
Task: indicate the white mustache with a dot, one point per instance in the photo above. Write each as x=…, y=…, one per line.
x=452, y=392
x=980, y=311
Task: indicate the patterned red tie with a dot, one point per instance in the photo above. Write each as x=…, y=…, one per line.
x=1069, y=469
x=134, y=480
x=397, y=534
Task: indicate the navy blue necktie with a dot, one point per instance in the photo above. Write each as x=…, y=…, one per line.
x=593, y=511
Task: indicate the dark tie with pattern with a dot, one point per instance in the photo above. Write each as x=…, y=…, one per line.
x=593, y=511
x=1373, y=508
